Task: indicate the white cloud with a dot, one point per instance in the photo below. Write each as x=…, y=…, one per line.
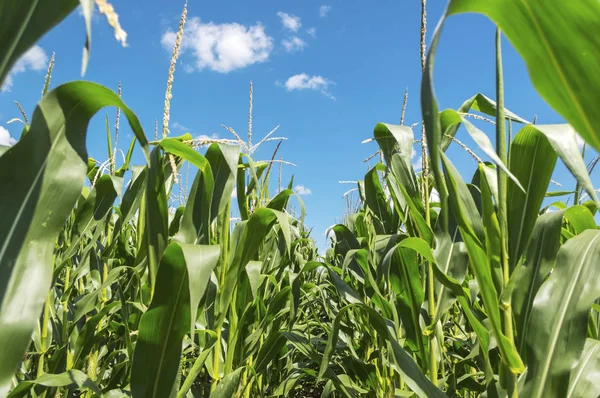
x=324, y=10
x=312, y=32
x=222, y=47
x=5, y=138
x=34, y=59
x=289, y=21
x=303, y=81
x=293, y=44
x=302, y=190
x=180, y=127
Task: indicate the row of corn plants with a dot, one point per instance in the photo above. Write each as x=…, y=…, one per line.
x=108, y=289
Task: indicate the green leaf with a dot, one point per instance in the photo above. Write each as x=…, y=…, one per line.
x=88, y=302
x=44, y=173
x=539, y=259
x=563, y=139
x=558, y=327
x=394, y=139
x=560, y=62
x=99, y=202
x=450, y=269
x=223, y=163
x=196, y=220
x=580, y=218
x=162, y=327
x=478, y=102
x=406, y=283
x=156, y=217
x=71, y=377
x=408, y=187
x=200, y=261
x=229, y=385
x=532, y=161
x=584, y=377
x=376, y=200
x=471, y=229
x=252, y=237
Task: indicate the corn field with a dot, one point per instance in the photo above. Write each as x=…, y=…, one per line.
x=436, y=284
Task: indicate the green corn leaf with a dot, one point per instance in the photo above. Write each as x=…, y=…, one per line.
x=584, y=377
x=162, y=327
x=539, y=259
x=558, y=327
x=394, y=139
x=532, y=161
x=407, y=185
x=478, y=102
x=71, y=377
x=560, y=63
x=47, y=166
x=229, y=385
x=196, y=220
x=580, y=218
x=451, y=265
x=253, y=271
x=491, y=224
x=251, y=238
x=562, y=137
x=156, y=218
x=406, y=283
x=126, y=165
x=200, y=261
x=223, y=164
x=471, y=229
x=376, y=200
x=99, y=202
x=88, y=302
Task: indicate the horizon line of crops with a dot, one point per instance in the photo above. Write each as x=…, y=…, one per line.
x=482, y=292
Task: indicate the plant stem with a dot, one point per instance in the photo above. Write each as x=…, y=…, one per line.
x=502, y=202
x=44, y=336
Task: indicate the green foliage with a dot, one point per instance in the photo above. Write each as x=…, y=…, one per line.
x=482, y=292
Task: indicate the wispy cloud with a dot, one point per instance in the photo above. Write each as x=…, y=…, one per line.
x=324, y=10
x=180, y=127
x=303, y=81
x=312, y=32
x=5, y=138
x=222, y=47
x=34, y=59
x=293, y=44
x=289, y=21
x=302, y=190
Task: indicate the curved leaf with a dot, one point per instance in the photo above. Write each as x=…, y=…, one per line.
x=558, y=327
x=561, y=64
x=532, y=161
x=67, y=378
x=539, y=259
x=585, y=376
x=162, y=327
x=47, y=166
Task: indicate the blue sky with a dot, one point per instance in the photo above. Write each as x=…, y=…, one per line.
x=324, y=71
